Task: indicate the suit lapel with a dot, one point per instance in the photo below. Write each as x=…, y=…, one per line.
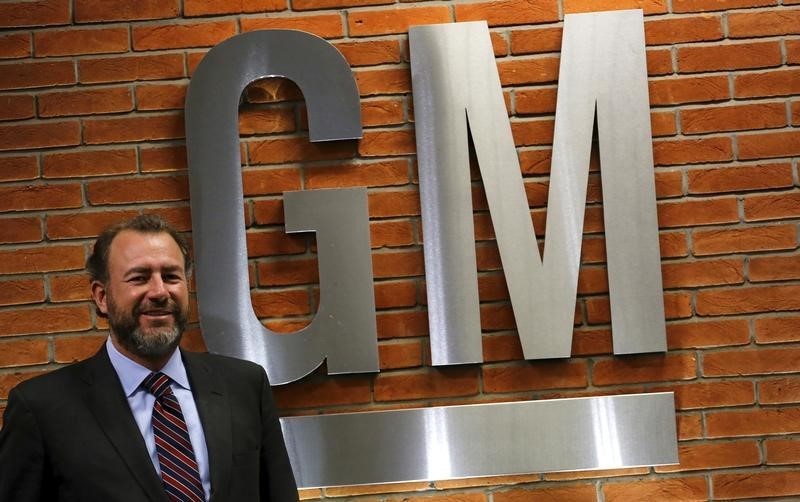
x=106, y=399
x=214, y=410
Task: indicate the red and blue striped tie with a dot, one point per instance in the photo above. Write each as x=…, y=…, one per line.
x=179, y=472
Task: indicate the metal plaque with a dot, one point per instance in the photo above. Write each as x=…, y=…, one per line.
x=482, y=440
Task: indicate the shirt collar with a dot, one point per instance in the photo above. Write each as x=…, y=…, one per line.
x=132, y=373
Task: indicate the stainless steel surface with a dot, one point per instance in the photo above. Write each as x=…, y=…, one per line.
x=482, y=440
x=212, y=140
x=455, y=81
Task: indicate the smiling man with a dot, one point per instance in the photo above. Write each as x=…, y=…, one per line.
x=141, y=419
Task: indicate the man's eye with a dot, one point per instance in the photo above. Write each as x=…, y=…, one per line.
x=137, y=279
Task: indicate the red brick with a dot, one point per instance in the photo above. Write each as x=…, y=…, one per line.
x=748, y=300
x=750, y=362
x=742, y=240
x=508, y=12
x=288, y=272
x=83, y=224
x=33, y=197
x=765, y=23
x=536, y=40
x=18, y=168
x=134, y=128
x=39, y=135
x=712, y=394
x=265, y=120
x=756, y=484
x=376, y=82
x=430, y=383
x=160, y=159
x=36, y=74
x=681, y=30
x=673, y=245
x=700, y=334
x=659, y=62
x=772, y=268
x=370, y=52
x=740, y=178
x=16, y=107
x=332, y=391
x=782, y=451
x=268, y=243
x=391, y=234
x=779, y=390
x=796, y=113
x=397, y=264
x=536, y=375
x=330, y=4
x=534, y=70
x=71, y=349
x=533, y=132
x=378, y=112
x=395, y=294
x=777, y=329
x=69, y=288
x=680, y=90
x=701, y=456
x=396, y=20
x=129, y=68
x=88, y=11
x=593, y=474
x=135, y=190
x=768, y=83
x=402, y=324
x=729, y=57
x=777, y=144
x=390, y=142
x=36, y=13
x=689, y=426
x=578, y=493
x=160, y=96
x=385, y=173
x=21, y=291
x=536, y=101
x=15, y=45
x=644, y=368
x=179, y=36
x=322, y=25
x=23, y=352
x=74, y=42
x=669, y=184
x=677, y=489
x=793, y=49
x=712, y=5
x=703, y=273
x=733, y=118
x=394, y=204
x=14, y=230
x=285, y=150
x=85, y=102
x=697, y=212
x=89, y=163
x=281, y=303
x=270, y=181
x=209, y=7
x=692, y=151
x=400, y=355
x=45, y=320
x=663, y=124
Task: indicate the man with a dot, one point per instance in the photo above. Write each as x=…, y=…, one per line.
x=140, y=420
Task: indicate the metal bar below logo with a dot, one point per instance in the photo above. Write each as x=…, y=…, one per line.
x=482, y=440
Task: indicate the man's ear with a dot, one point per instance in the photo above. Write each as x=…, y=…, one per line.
x=99, y=297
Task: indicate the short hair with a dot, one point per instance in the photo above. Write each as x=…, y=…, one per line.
x=97, y=263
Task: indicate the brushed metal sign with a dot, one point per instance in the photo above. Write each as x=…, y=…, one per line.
x=460, y=441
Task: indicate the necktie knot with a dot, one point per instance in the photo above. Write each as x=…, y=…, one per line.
x=157, y=384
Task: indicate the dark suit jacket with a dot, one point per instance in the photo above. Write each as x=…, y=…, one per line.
x=70, y=436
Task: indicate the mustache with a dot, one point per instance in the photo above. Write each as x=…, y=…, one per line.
x=146, y=306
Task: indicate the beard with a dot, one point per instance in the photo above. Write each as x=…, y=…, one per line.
x=152, y=342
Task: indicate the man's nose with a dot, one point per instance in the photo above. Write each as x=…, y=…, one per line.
x=157, y=289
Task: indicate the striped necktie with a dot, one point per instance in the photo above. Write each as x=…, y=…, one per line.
x=179, y=472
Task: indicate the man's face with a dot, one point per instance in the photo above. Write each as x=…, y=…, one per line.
x=146, y=297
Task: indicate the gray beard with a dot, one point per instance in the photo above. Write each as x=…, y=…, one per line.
x=152, y=343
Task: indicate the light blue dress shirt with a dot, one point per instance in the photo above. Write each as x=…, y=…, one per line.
x=141, y=402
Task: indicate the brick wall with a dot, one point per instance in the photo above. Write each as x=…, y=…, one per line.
x=91, y=131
